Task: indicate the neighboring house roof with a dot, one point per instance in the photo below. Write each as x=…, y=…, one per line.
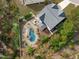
x=50, y=16
x=26, y=2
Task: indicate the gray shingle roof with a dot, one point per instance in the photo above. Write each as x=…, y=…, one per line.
x=32, y=1
x=53, y=15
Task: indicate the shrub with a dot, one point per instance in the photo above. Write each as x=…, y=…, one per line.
x=67, y=28
x=71, y=44
x=30, y=50
x=44, y=39
x=39, y=57
x=28, y=16
x=55, y=44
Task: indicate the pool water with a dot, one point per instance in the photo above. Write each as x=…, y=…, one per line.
x=32, y=35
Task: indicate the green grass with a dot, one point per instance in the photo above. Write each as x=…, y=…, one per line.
x=44, y=39
x=16, y=37
x=36, y=7
x=24, y=10
x=56, y=1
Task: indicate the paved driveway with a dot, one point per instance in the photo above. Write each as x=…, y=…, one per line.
x=75, y=1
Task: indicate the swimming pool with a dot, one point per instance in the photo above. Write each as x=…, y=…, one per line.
x=32, y=35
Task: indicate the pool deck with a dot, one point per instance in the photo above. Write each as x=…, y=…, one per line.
x=25, y=31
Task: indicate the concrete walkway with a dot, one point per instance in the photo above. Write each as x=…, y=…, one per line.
x=76, y=2
x=65, y=3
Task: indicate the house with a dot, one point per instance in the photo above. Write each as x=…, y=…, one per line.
x=50, y=17
x=27, y=2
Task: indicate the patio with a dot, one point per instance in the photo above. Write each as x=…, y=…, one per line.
x=25, y=32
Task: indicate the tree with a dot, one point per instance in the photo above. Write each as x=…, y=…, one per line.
x=67, y=28
x=63, y=37
x=9, y=24
x=54, y=42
